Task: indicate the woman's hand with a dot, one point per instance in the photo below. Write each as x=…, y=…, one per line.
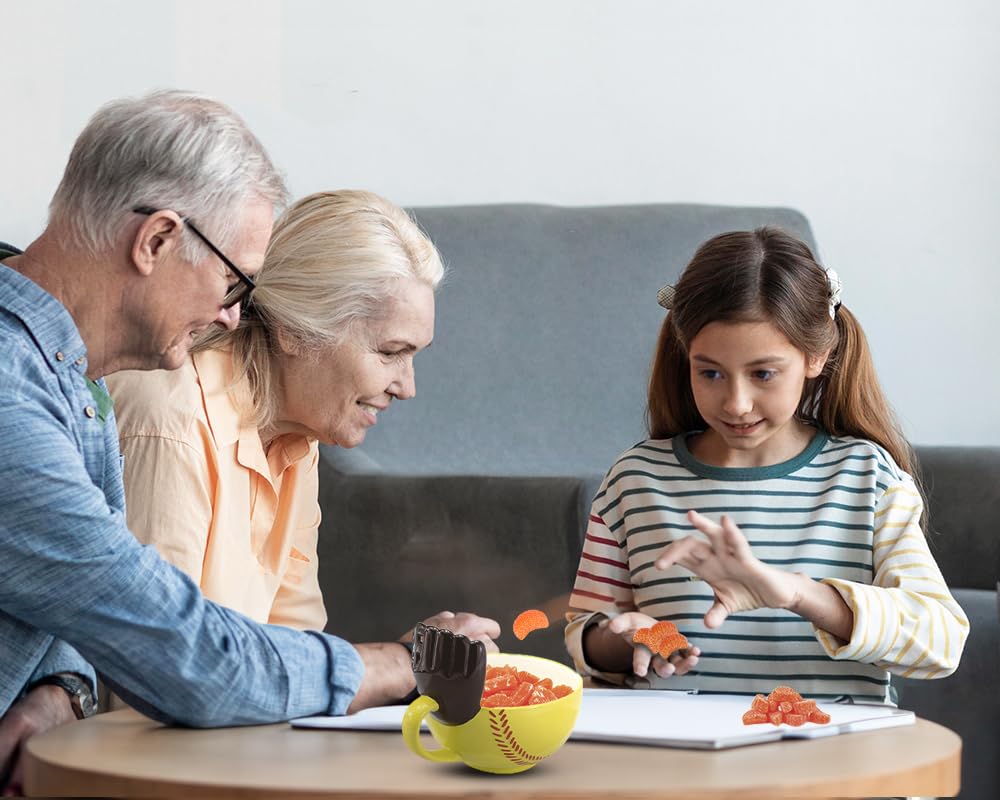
x=624, y=627
x=740, y=580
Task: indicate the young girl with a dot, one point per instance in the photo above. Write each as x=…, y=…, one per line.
x=771, y=514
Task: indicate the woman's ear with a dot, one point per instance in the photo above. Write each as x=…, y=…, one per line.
x=288, y=344
x=815, y=364
x=157, y=237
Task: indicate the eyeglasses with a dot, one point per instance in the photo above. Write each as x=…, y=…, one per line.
x=243, y=288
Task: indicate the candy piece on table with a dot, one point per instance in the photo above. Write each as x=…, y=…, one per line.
x=795, y=720
x=450, y=668
x=528, y=621
x=819, y=717
x=776, y=717
x=752, y=717
x=784, y=693
x=759, y=704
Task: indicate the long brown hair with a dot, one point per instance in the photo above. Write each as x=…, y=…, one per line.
x=769, y=275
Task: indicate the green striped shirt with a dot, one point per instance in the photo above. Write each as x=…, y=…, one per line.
x=840, y=512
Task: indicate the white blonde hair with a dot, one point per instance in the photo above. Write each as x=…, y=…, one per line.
x=334, y=260
x=169, y=150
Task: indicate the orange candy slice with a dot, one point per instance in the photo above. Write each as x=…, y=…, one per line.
x=662, y=638
x=528, y=621
x=507, y=687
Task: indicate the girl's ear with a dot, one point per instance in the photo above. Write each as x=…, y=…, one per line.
x=815, y=364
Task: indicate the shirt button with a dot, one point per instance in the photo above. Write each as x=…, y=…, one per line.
x=79, y=361
x=60, y=356
x=89, y=411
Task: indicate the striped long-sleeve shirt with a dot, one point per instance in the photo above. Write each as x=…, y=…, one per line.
x=841, y=512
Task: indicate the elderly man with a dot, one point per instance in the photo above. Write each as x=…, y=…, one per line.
x=155, y=232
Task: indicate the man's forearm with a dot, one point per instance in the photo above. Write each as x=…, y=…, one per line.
x=388, y=675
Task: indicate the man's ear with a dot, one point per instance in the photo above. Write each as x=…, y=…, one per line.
x=158, y=236
x=815, y=364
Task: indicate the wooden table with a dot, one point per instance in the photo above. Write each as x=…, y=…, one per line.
x=123, y=754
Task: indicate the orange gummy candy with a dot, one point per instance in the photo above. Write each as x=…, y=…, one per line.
x=784, y=705
x=663, y=628
x=507, y=687
x=528, y=621
x=669, y=644
x=784, y=693
x=497, y=700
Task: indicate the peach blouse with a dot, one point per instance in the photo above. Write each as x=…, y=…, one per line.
x=241, y=522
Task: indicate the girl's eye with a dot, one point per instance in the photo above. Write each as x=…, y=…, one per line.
x=764, y=375
x=710, y=374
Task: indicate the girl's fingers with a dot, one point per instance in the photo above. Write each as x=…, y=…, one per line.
x=713, y=531
x=735, y=541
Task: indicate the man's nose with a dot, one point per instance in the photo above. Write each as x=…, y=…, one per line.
x=229, y=318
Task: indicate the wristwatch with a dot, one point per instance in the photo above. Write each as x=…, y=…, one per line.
x=81, y=698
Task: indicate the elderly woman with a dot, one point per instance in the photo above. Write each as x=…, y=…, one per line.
x=221, y=455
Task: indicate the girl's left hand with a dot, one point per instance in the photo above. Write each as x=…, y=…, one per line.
x=740, y=580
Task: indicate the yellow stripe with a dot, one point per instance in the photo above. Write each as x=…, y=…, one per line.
x=901, y=490
x=881, y=629
x=888, y=509
x=882, y=543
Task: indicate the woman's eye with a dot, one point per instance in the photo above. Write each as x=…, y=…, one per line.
x=764, y=374
x=710, y=374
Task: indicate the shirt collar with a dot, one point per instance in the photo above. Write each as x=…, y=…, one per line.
x=45, y=318
x=224, y=400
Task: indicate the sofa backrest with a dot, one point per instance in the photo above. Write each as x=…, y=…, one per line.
x=546, y=325
x=963, y=501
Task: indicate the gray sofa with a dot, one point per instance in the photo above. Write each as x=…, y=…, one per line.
x=475, y=494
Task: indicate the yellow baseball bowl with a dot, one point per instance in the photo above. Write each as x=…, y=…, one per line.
x=501, y=740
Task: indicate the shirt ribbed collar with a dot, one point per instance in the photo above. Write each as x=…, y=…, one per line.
x=747, y=473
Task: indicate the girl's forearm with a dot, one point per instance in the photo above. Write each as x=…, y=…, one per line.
x=823, y=606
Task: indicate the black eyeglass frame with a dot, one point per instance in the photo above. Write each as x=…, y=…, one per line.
x=241, y=291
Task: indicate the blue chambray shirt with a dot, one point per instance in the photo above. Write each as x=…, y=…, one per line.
x=73, y=576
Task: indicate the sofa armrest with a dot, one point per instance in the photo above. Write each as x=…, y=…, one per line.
x=967, y=701
x=396, y=549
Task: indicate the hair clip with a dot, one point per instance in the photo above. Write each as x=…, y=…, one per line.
x=836, y=286
x=665, y=297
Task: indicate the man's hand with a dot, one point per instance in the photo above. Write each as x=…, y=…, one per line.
x=41, y=709
x=388, y=672
x=477, y=628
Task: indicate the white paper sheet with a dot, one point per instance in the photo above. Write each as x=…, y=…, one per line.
x=665, y=719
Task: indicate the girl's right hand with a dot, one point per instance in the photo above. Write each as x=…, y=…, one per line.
x=680, y=661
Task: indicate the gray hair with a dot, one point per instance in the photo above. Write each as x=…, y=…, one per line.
x=169, y=150
x=334, y=260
